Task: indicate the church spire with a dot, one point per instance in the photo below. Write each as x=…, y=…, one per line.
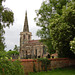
x=26, y=28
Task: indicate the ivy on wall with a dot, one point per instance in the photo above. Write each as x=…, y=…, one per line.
x=44, y=63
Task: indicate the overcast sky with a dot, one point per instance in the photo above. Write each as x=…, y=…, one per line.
x=12, y=34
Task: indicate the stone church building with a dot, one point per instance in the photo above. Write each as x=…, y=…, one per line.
x=30, y=48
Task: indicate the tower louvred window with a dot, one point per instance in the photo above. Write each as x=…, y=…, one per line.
x=23, y=36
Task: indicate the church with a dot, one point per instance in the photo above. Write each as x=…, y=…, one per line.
x=30, y=48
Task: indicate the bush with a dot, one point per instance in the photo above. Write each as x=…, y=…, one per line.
x=10, y=68
x=72, y=44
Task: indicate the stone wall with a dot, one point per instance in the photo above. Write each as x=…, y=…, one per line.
x=55, y=63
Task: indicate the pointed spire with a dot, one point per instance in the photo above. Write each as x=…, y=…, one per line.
x=26, y=28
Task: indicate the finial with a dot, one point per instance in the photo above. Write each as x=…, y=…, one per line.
x=26, y=13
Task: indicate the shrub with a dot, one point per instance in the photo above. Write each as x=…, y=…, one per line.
x=72, y=44
x=10, y=68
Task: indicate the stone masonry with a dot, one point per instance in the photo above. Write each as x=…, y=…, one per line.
x=30, y=48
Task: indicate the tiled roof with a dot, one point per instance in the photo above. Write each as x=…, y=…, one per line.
x=55, y=54
x=33, y=41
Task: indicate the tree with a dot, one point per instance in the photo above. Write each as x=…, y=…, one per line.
x=16, y=48
x=72, y=45
x=44, y=14
x=62, y=30
x=9, y=54
x=6, y=18
x=14, y=52
x=58, y=5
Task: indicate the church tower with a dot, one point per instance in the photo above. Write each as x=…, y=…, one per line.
x=29, y=48
x=25, y=36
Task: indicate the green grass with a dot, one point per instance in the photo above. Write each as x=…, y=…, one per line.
x=63, y=71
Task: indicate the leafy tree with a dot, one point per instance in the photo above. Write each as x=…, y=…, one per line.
x=10, y=53
x=2, y=44
x=14, y=52
x=42, y=20
x=62, y=30
x=46, y=11
x=6, y=18
x=72, y=45
x=58, y=4
x=16, y=48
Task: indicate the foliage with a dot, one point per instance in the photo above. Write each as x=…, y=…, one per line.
x=16, y=48
x=62, y=30
x=42, y=20
x=72, y=45
x=34, y=67
x=58, y=5
x=44, y=63
x=46, y=11
x=10, y=53
x=10, y=68
x=2, y=44
x=49, y=47
x=6, y=18
x=2, y=54
x=15, y=51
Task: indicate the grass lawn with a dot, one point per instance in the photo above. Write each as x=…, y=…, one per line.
x=63, y=71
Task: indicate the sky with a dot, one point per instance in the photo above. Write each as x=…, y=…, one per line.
x=19, y=7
